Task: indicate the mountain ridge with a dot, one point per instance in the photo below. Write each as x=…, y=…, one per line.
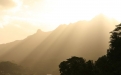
x=44, y=50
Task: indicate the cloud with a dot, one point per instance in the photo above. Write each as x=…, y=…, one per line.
x=7, y=4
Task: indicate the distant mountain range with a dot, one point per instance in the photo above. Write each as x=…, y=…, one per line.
x=43, y=51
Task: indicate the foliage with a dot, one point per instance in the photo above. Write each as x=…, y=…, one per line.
x=76, y=66
x=114, y=51
x=9, y=68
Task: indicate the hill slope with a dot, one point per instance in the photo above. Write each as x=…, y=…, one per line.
x=43, y=51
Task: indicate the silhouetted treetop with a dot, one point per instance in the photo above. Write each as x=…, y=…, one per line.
x=76, y=66
x=114, y=51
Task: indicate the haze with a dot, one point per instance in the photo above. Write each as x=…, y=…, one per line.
x=48, y=14
x=24, y=17
x=55, y=30
x=88, y=39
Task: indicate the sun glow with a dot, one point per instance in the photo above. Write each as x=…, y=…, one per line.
x=18, y=6
x=58, y=12
x=23, y=19
x=51, y=13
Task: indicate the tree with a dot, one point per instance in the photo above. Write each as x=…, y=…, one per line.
x=102, y=66
x=9, y=68
x=76, y=66
x=90, y=67
x=114, y=51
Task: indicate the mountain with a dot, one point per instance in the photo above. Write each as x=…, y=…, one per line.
x=21, y=48
x=43, y=51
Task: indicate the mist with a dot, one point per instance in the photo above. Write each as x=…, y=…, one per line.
x=43, y=51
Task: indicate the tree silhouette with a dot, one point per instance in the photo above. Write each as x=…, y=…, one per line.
x=102, y=66
x=90, y=67
x=76, y=66
x=9, y=68
x=114, y=51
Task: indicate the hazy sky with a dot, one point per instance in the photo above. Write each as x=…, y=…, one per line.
x=20, y=18
x=48, y=14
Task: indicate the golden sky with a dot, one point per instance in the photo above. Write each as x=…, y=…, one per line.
x=48, y=14
x=20, y=18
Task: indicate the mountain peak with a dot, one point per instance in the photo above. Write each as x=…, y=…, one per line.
x=39, y=31
x=100, y=17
